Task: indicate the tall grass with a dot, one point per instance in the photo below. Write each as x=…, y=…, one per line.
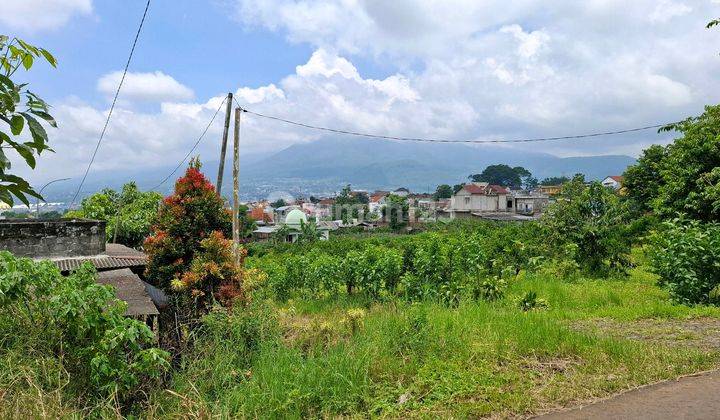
x=426, y=359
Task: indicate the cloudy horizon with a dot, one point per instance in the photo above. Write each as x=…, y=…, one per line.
x=457, y=69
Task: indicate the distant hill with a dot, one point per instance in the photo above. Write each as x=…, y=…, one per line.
x=386, y=164
x=325, y=165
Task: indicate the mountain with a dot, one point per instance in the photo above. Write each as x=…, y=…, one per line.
x=324, y=166
x=386, y=164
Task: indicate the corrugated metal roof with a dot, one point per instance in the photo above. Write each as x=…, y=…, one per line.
x=115, y=256
x=100, y=263
x=129, y=288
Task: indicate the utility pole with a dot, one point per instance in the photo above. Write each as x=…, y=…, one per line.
x=223, y=149
x=236, y=185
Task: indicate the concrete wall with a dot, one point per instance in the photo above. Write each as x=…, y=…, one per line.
x=52, y=238
x=478, y=202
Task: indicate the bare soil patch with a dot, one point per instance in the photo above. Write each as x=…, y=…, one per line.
x=702, y=333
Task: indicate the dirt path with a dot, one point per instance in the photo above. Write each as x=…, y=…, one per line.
x=691, y=397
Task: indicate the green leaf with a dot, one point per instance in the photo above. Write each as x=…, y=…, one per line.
x=27, y=154
x=16, y=124
x=39, y=134
x=17, y=192
x=47, y=117
x=5, y=196
x=49, y=57
x=27, y=61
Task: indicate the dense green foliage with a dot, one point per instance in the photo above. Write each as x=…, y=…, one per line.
x=504, y=175
x=129, y=213
x=77, y=326
x=349, y=205
x=686, y=256
x=684, y=176
x=19, y=109
x=554, y=180
x=443, y=191
x=591, y=224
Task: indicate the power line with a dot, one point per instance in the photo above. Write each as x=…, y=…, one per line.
x=112, y=106
x=194, y=146
x=436, y=140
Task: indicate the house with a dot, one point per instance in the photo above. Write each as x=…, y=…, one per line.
x=613, y=181
x=377, y=202
x=291, y=226
x=529, y=203
x=550, y=189
x=282, y=212
x=479, y=197
x=401, y=192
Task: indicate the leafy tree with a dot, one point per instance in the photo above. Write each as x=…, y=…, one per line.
x=278, y=203
x=593, y=221
x=309, y=232
x=502, y=175
x=530, y=182
x=443, y=191
x=128, y=213
x=642, y=181
x=555, y=180
x=396, y=211
x=349, y=205
x=685, y=255
x=457, y=187
x=684, y=176
x=19, y=109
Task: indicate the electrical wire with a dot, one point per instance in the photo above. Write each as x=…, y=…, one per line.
x=112, y=106
x=435, y=140
x=193, y=148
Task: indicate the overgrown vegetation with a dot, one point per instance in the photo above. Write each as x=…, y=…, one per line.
x=69, y=336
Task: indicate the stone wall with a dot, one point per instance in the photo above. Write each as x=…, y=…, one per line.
x=52, y=238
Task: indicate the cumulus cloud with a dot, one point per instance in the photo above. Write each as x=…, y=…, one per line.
x=462, y=69
x=37, y=15
x=154, y=87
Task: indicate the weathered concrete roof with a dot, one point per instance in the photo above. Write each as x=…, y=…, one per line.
x=129, y=288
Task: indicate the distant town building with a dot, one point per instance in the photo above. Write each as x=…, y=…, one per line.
x=613, y=181
x=291, y=225
x=479, y=197
x=401, y=192
x=377, y=202
x=550, y=189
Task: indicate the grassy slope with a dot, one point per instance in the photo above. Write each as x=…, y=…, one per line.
x=478, y=359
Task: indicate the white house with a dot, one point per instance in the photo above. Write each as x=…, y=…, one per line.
x=480, y=197
x=401, y=192
x=376, y=203
x=613, y=181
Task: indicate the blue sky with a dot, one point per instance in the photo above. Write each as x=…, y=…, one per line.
x=461, y=69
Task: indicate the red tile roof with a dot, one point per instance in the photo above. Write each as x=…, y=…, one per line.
x=617, y=178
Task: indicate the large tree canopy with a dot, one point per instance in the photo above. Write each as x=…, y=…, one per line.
x=682, y=177
x=502, y=174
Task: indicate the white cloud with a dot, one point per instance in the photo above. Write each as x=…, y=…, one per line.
x=461, y=70
x=666, y=10
x=154, y=87
x=37, y=15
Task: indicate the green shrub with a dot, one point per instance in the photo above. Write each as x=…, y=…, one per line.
x=686, y=256
x=81, y=324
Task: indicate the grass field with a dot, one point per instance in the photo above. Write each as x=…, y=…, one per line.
x=348, y=357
